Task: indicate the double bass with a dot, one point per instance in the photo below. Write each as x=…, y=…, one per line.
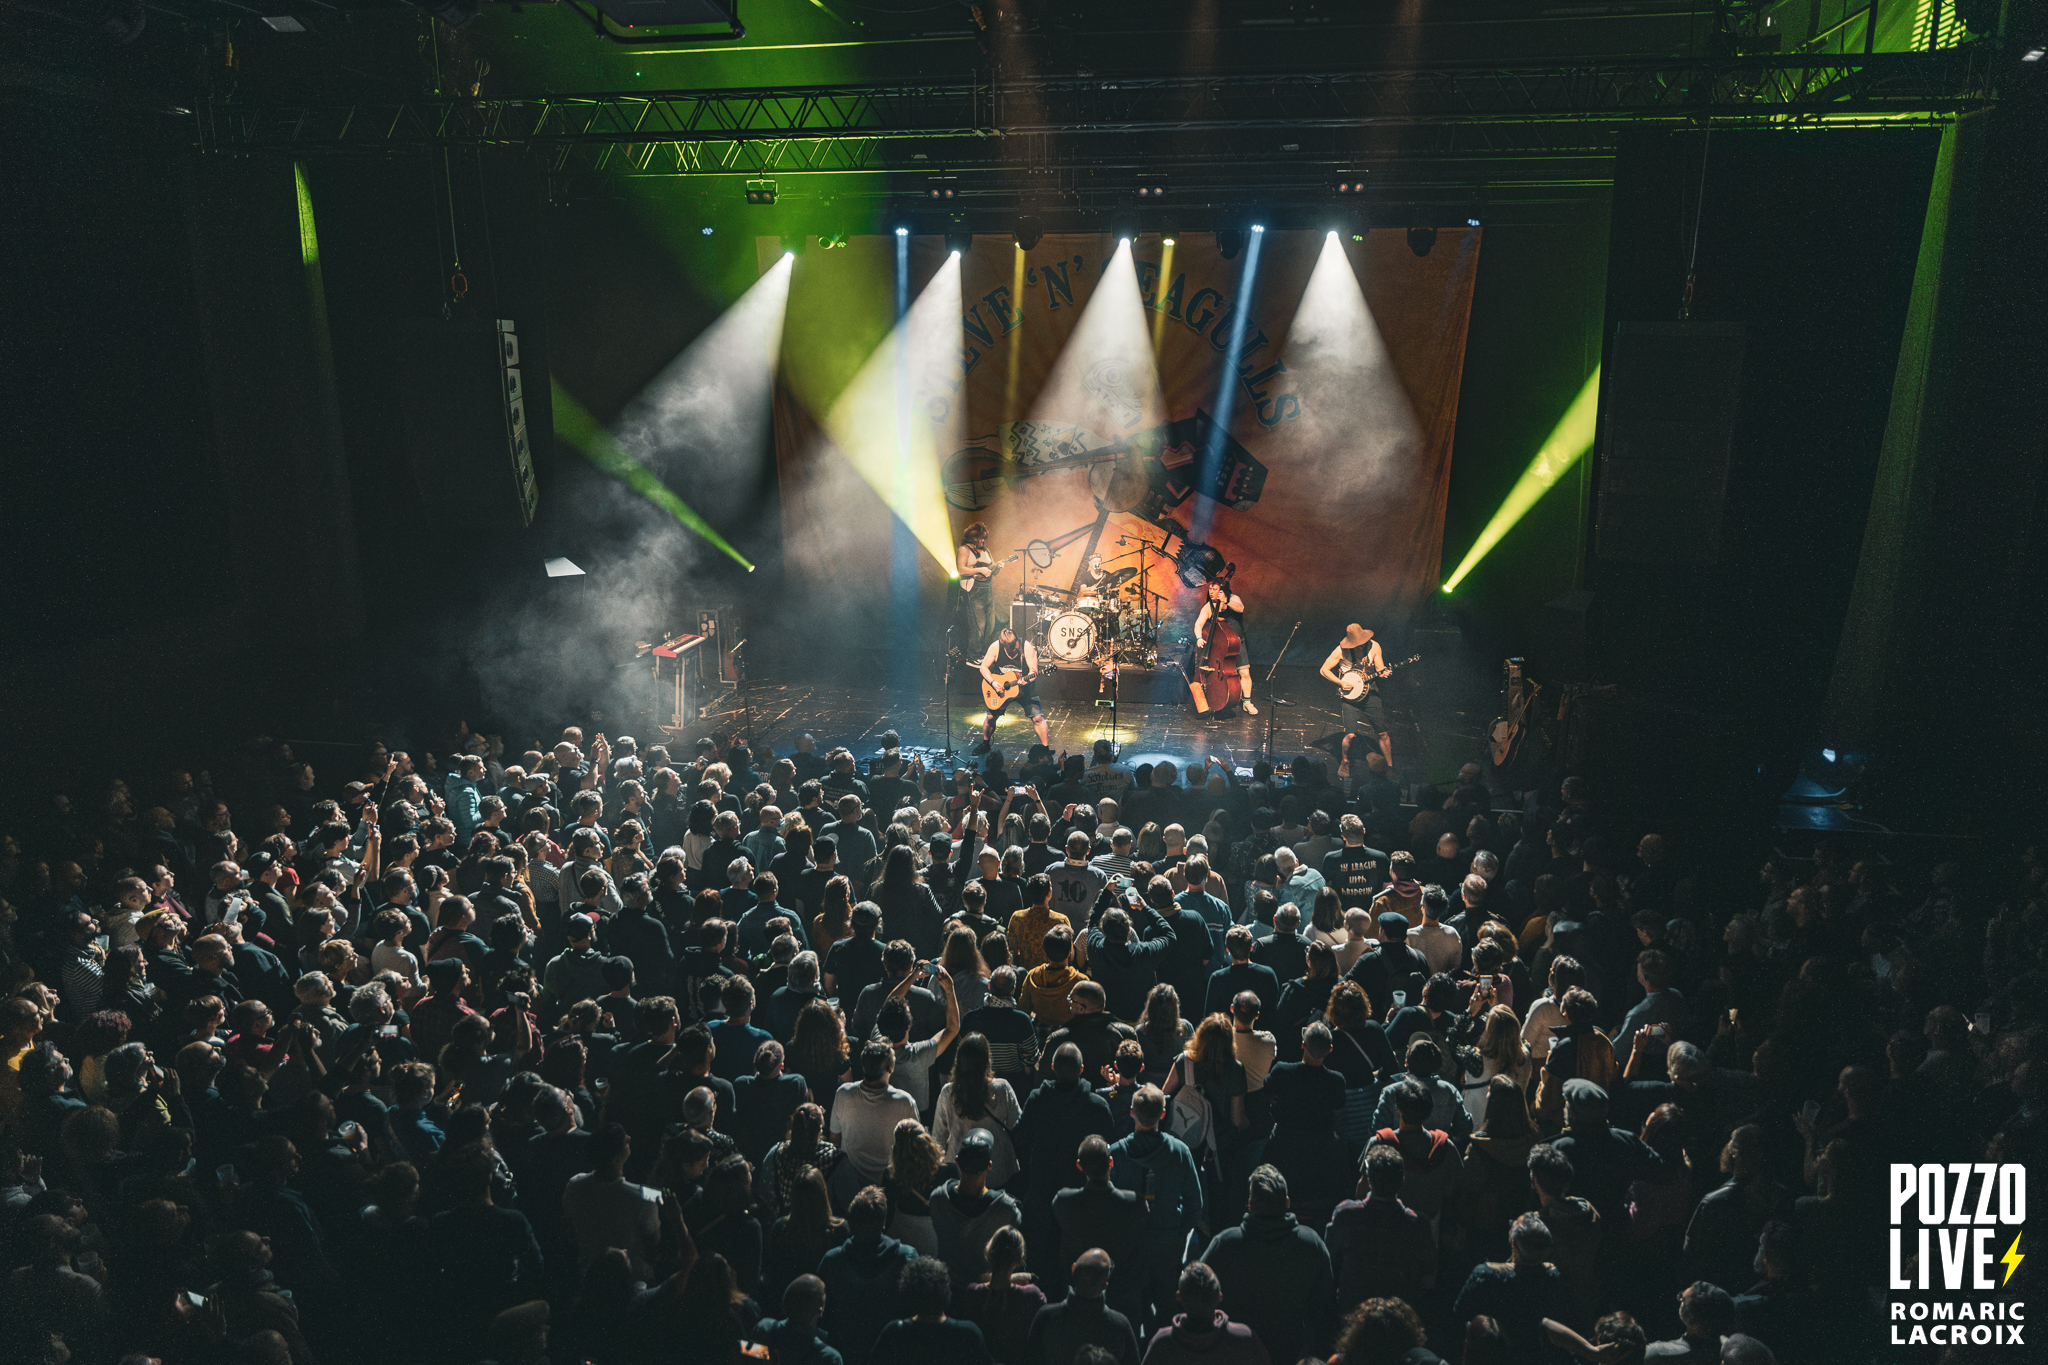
x=1217, y=684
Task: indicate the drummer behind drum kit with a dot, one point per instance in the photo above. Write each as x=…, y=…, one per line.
x=1111, y=624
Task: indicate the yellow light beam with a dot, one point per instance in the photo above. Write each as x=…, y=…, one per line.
x=1016, y=343
x=1165, y=274
x=1568, y=441
x=574, y=424
x=894, y=440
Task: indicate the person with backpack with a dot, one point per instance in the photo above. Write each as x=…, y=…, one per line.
x=1160, y=1169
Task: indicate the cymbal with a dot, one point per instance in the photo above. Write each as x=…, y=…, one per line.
x=1119, y=578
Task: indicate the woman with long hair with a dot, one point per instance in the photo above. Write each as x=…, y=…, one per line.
x=1361, y=1053
x=908, y=906
x=1502, y=1052
x=1004, y=1304
x=127, y=989
x=1305, y=998
x=1210, y=1065
x=98, y=1034
x=914, y=1161
x=1720, y=1240
x=1495, y=1186
x=1162, y=1033
x=713, y=1306
x=961, y=957
x=977, y=1098
x=1151, y=844
x=803, y=1147
x=629, y=853
x=1326, y=919
x=697, y=837
x=817, y=1050
x=834, y=920
x=801, y=1236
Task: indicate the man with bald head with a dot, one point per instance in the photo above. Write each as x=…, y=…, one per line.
x=1060, y=1330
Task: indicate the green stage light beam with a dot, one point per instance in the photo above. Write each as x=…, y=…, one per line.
x=1567, y=443
x=574, y=424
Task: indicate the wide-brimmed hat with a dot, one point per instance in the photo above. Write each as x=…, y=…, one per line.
x=1354, y=635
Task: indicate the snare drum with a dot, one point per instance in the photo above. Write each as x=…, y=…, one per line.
x=1089, y=603
x=1070, y=638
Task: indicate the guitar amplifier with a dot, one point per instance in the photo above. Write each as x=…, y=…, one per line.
x=1021, y=614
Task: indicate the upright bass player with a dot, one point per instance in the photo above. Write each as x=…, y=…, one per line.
x=1222, y=665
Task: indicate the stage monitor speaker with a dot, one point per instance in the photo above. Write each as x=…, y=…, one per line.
x=1021, y=616
x=465, y=412
x=720, y=624
x=1672, y=395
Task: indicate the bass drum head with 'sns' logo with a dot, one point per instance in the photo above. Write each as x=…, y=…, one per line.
x=1070, y=638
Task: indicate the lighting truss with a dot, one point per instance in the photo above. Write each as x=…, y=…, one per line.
x=1332, y=119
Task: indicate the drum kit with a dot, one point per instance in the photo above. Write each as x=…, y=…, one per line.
x=1112, y=624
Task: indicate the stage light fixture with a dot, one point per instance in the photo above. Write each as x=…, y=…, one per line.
x=2034, y=54
x=1197, y=564
x=1258, y=227
x=959, y=243
x=1356, y=186
x=706, y=231
x=902, y=232
x=1421, y=239
x=1028, y=233
x=760, y=191
x=1229, y=242
x=831, y=240
x=1166, y=241
x=793, y=246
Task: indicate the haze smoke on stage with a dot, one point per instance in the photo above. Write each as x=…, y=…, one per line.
x=1353, y=406
x=702, y=423
x=1106, y=379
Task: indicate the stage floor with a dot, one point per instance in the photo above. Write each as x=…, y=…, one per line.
x=1432, y=732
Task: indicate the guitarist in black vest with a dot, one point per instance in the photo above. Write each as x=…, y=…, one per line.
x=1359, y=653
x=1009, y=672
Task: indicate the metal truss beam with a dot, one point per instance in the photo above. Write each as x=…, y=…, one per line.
x=1163, y=123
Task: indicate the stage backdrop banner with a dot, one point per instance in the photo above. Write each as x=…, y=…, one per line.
x=1084, y=395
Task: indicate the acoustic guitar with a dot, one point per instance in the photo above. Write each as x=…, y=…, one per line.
x=1504, y=736
x=1354, y=683
x=1012, y=684
x=973, y=582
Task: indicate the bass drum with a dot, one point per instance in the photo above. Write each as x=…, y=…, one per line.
x=1070, y=638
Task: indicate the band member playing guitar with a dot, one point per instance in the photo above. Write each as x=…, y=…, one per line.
x=977, y=599
x=1009, y=672
x=1358, y=653
x=1223, y=663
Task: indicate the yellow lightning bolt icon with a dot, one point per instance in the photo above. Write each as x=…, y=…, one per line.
x=2011, y=1260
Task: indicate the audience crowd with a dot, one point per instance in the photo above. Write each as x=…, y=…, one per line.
x=612, y=1053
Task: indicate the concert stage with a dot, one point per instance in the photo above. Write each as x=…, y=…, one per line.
x=1436, y=721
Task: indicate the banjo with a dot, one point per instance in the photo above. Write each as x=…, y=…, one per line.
x=1354, y=683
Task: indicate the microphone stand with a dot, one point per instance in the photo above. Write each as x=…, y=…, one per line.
x=946, y=691
x=739, y=679
x=1273, y=702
